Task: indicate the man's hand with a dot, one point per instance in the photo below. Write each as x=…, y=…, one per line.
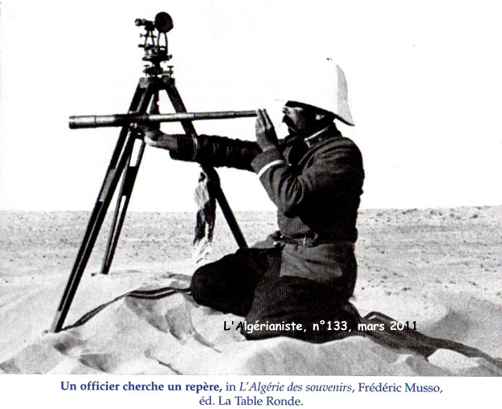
x=265, y=132
x=158, y=139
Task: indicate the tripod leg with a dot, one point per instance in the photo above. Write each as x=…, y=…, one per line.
x=217, y=191
x=128, y=179
x=211, y=173
x=117, y=164
x=127, y=185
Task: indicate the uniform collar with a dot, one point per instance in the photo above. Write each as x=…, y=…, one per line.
x=319, y=136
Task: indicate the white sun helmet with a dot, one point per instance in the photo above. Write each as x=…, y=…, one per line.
x=321, y=84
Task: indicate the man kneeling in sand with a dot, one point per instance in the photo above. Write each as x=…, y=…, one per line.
x=297, y=282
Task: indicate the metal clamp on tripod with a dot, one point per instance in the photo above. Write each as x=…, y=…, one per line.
x=125, y=161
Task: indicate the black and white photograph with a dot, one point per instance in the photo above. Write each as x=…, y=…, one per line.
x=251, y=188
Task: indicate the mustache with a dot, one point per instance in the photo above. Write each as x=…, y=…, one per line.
x=289, y=123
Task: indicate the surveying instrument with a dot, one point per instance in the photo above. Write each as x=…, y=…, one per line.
x=128, y=152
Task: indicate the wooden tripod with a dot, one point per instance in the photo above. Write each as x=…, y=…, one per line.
x=124, y=165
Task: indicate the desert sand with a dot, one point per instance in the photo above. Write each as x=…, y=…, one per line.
x=439, y=267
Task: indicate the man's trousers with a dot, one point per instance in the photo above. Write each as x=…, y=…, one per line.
x=247, y=283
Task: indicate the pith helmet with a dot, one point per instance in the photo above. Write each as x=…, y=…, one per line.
x=322, y=84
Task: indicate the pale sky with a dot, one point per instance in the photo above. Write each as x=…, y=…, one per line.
x=425, y=85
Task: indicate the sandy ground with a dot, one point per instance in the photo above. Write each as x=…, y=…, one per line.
x=439, y=267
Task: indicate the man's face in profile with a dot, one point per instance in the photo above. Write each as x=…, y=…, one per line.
x=300, y=118
x=294, y=117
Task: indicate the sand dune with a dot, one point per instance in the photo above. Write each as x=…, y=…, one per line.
x=173, y=335
x=438, y=267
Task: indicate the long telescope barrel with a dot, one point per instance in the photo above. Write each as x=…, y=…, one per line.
x=101, y=121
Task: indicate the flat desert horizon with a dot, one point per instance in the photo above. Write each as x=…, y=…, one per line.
x=439, y=267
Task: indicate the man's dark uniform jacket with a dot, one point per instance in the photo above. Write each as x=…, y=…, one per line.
x=316, y=183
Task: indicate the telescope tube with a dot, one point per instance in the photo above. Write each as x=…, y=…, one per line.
x=102, y=121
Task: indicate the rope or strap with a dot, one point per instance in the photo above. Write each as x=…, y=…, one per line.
x=403, y=339
x=141, y=294
x=416, y=341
